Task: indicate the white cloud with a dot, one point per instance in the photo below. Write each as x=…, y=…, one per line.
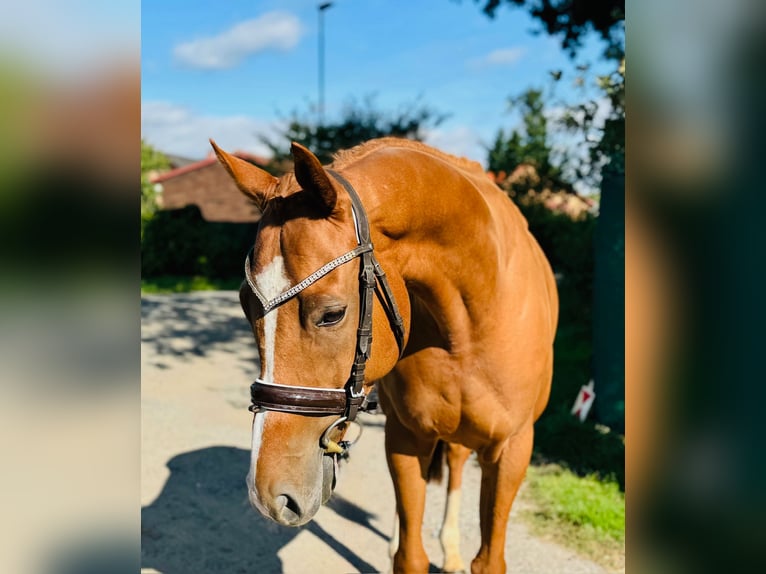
x=500, y=57
x=271, y=31
x=462, y=141
x=177, y=130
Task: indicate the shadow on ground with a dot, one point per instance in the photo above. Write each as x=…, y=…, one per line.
x=202, y=521
x=188, y=326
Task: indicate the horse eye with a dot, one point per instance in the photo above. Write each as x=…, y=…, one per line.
x=332, y=317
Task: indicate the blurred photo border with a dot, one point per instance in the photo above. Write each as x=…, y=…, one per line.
x=70, y=417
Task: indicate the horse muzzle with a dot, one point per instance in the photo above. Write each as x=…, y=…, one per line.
x=290, y=507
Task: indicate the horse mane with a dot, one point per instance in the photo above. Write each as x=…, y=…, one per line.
x=344, y=158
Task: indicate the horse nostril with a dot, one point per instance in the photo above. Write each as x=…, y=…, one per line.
x=288, y=508
x=292, y=505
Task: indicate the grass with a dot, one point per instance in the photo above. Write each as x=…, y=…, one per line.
x=175, y=284
x=583, y=448
x=584, y=513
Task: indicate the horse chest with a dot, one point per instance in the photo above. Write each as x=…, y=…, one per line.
x=435, y=394
x=423, y=393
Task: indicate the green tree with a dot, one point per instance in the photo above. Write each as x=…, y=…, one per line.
x=601, y=132
x=506, y=153
x=358, y=122
x=151, y=161
x=529, y=145
x=571, y=20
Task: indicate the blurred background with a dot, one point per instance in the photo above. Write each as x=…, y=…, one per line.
x=69, y=309
x=538, y=84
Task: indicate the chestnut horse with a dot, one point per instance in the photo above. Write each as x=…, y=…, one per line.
x=479, y=307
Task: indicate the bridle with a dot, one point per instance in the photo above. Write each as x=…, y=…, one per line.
x=348, y=401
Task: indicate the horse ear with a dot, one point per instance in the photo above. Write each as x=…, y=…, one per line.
x=254, y=182
x=312, y=177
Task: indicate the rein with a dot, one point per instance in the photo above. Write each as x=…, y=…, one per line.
x=348, y=401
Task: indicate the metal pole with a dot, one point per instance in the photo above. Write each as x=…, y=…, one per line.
x=320, y=107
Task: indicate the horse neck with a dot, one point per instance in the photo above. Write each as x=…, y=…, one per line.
x=426, y=216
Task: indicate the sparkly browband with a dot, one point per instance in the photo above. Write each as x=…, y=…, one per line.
x=311, y=279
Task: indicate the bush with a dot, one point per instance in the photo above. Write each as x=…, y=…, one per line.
x=568, y=245
x=180, y=242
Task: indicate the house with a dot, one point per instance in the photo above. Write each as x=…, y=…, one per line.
x=206, y=184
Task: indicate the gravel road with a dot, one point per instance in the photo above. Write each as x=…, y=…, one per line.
x=198, y=358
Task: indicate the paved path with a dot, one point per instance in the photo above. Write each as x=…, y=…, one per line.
x=198, y=357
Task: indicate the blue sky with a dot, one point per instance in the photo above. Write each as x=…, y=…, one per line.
x=231, y=69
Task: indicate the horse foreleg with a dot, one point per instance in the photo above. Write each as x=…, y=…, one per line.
x=501, y=477
x=393, y=544
x=408, y=460
x=450, y=532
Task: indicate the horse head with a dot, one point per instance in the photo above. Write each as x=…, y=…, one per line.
x=306, y=341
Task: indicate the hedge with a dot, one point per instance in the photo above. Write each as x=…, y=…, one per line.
x=181, y=242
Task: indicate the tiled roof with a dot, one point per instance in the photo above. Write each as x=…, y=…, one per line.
x=210, y=160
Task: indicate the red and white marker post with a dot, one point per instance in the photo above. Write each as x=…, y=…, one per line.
x=584, y=401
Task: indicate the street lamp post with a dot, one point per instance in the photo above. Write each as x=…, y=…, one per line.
x=320, y=108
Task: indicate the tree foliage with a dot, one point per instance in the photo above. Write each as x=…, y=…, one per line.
x=602, y=132
x=151, y=161
x=603, y=138
x=529, y=145
x=590, y=134
x=571, y=20
x=358, y=122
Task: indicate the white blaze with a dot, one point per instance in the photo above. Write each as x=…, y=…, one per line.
x=258, y=421
x=270, y=282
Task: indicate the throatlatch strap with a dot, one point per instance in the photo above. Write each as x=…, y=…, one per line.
x=388, y=301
